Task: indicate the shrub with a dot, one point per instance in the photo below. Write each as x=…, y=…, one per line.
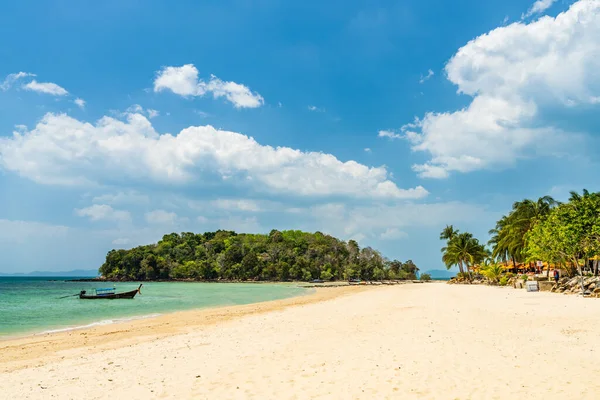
x=503, y=281
x=463, y=276
x=425, y=277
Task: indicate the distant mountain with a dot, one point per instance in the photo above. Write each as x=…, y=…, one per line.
x=440, y=274
x=76, y=272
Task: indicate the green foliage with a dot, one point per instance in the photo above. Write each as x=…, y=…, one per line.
x=280, y=256
x=425, y=277
x=503, y=280
x=509, y=236
x=462, y=249
x=494, y=272
x=570, y=234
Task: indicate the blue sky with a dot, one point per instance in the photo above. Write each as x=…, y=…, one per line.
x=380, y=121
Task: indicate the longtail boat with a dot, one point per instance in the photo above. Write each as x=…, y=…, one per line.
x=109, y=293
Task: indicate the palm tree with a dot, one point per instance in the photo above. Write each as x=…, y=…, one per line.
x=463, y=250
x=448, y=233
x=493, y=272
x=508, y=237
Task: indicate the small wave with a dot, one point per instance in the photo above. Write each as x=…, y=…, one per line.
x=99, y=323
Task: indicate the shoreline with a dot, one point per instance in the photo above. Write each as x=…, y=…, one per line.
x=408, y=341
x=37, y=349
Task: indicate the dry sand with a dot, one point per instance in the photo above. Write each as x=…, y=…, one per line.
x=430, y=341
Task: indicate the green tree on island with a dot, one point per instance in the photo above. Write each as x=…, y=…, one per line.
x=278, y=256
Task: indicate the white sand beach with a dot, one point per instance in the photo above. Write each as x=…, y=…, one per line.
x=421, y=341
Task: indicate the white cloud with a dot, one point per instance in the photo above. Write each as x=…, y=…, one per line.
x=134, y=109
x=80, y=103
x=99, y=212
x=389, y=134
x=425, y=78
x=538, y=7
x=367, y=150
x=316, y=109
x=137, y=109
x=161, y=217
x=62, y=150
x=23, y=231
x=513, y=73
x=45, y=87
x=184, y=82
x=393, y=234
x=12, y=78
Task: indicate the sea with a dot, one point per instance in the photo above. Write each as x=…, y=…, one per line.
x=32, y=305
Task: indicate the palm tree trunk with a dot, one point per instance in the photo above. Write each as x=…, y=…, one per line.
x=514, y=264
x=460, y=267
x=580, y=274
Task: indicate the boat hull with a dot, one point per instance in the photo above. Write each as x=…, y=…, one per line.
x=125, y=295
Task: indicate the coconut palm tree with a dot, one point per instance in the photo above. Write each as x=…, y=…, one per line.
x=463, y=250
x=508, y=237
x=448, y=233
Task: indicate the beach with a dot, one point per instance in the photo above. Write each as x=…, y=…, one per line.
x=425, y=341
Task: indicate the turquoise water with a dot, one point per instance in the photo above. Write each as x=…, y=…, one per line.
x=32, y=305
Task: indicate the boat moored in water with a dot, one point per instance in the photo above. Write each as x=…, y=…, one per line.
x=109, y=293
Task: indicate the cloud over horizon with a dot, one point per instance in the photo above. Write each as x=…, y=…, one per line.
x=62, y=150
x=184, y=82
x=512, y=73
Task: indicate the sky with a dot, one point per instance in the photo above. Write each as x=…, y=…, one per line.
x=378, y=121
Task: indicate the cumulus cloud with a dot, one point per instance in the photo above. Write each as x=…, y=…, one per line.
x=137, y=109
x=512, y=73
x=161, y=217
x=12, y=78
x=65, y=151
x=425, y=78
x=389, y=134
x=538, y=7
x=80, y=103
x=45, y=87
x=184, y=82
x=99, y=212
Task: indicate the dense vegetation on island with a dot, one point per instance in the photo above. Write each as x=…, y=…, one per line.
x=565, y=235
x=278, y=256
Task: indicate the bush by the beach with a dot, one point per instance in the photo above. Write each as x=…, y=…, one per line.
x=425, y=277
x=279, y=256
